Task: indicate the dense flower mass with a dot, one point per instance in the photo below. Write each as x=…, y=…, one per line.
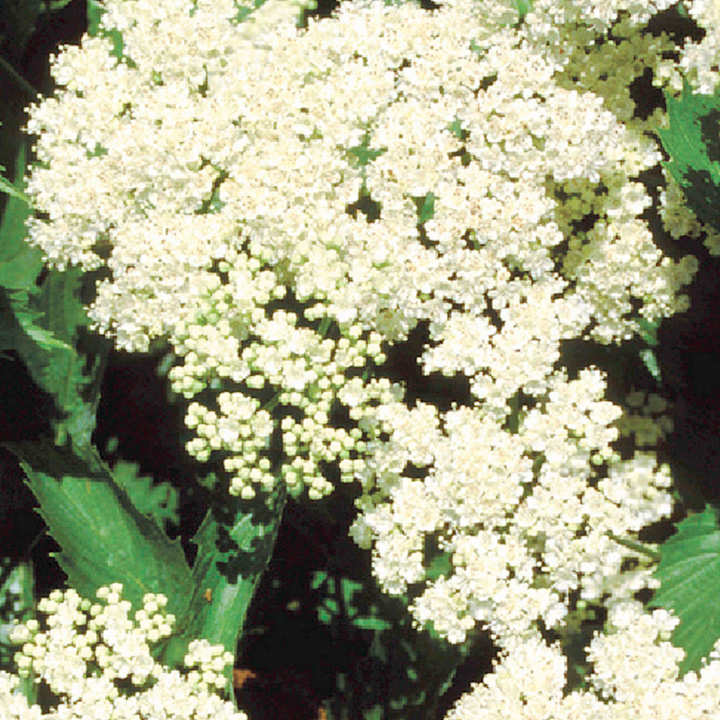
x=231, y=235
x=635, y=676
x=525, y=517
x=96, y=659
x=283, y=204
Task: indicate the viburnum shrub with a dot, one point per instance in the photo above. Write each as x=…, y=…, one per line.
x=281, y=204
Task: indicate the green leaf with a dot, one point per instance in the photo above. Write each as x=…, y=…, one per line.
x=404, y=672
x=362, y=155
x=94, y=12
x=371, y=623
x=689, y=575
x=440, y=565
x=693, y=143
x=9, y=189
x=648, y=331
x=158, y=500
x=17, y=325
x=43, y=324
x=72, y=377
x=20, y=264
x=103, y=537
x=234, y=544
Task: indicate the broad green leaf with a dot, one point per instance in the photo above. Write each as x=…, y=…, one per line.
x=103, y=537
x=42, y=323
x=158, y=500
x=689, y=575
x=692, y=141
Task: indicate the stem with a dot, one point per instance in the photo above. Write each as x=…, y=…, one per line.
x=19, y=79
x=636, y=546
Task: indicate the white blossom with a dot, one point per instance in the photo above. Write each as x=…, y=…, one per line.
x=84, y=649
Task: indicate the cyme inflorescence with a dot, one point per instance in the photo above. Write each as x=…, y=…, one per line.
x=283, y=204
x=96, y=659
x=635, y=675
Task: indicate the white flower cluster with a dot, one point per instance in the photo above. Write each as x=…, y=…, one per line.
x=635, y=676
x=524, y=518
x=211, y=171
x=700, y=62
x=83, y=649
x=283, y=204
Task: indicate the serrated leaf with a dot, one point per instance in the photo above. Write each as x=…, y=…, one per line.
x=158, y=500
x=692, y=142
x=9, y=189
x=20, y=265
x=234, y=544
x=689, y=575
x=102, y=536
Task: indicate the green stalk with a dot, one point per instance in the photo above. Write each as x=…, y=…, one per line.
x=636, y=546
x=22, y=83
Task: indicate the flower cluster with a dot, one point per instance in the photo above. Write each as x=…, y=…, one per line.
x=524, y=517
x=230, y=235
x=700, y=61
x=635, y=673
x=83, y=651
x=283, y=204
